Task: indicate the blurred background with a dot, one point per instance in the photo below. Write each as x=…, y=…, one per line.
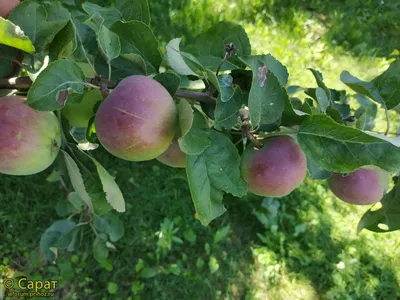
x=303, y=246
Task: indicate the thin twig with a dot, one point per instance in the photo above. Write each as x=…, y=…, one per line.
x=229, y=48
x=196, y=96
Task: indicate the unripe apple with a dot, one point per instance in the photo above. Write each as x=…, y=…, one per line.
x=362, y=187
x=173, y=156
x=276, y=169
x=29, y=139
x=6, y=6
x=137, y=121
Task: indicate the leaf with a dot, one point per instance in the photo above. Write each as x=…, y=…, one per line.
x=226, y=113
x=384, y=89
x=109, y=14
x=136, y=59
x=323, y=100
x=213, y=264
x=385, y=215
x=170, y=81
x=316, y=172
x=137, y=10
x=367, y=108
x=100, y=250
x=124, y=66
x=214, y=171
x=177, y=59
x=112, y=288
x=221, y=234
x=7, y=67
x=148, y=272
x=194, y=141
x=109, y=43
x=186, y=116
x=86, y=43
x=54, y=233
x=110, y=187
x=51, y=88
x=64, y=43
x=225, y=87
x=12, y=35
x=212, y=42
x=138, y=38
x=318, y=77
x=77, y=180
x=39, y=22
x=291, y=116
x=338, y=148
x=109, y=224
x=267, y=96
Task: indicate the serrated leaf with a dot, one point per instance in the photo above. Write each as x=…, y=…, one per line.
x=138, y=38
x=40, y=23
x=170, y=81
x=12, y=35
x=320, y=82
x=136, y=59
x=177, y=60
x=367, y=108
x=109, y=43
x=134, y=10
x=51, y=88
x=54, y=233
x=341, y=149
x=385, y=215
x=113, y=193
x=109, y=224
x=225, y=87
x=214, y=171
x=109, y=14
x=64, y=43
x=86, y=44
x=226, y=113
x=267, y=96
x=77, y=180
x=186, y=116
x=213, y=41
x=384, y=89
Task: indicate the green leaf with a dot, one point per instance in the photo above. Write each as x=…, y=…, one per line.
x=148, y=272
x=213, y=264
x=385, y=215
x=12, y=35
x=316, y=172
x=109, y=224
x=136, y=59
x=181, y=62
x=212, y=42
x=291, y=116
x=39, y=22
x=169, y=80
x=109, y=14
x=110, y=187
x=367, y=108
x=100, y=250
x=86, y=43
x=225, y=87
x=322, y=98
x=109, y=43
x=64, y=43
x=137, y=10
x=51, y=88
x=338, y=148
x=124, y=66
x=76, y=201
x=214, y=171
x=77, y=180
x=112, y=288
x=226, y=113
x=384, y=89
x=194, y=141
x=54, y=233
x=138, y=38
x=7, y=67
x=267, y=96
x=221, y=234
x=321, y=84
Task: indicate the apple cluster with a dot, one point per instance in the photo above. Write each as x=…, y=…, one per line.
x=138, y=121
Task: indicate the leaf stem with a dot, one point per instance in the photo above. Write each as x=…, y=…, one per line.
x=109, y=71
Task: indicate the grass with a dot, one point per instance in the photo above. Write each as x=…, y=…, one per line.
x=303, y=246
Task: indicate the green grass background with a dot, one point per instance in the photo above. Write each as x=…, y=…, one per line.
x=308, y=250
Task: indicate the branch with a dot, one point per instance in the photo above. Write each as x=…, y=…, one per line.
x=245, y=128
x=196, y=96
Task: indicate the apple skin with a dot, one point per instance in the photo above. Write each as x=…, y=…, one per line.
x=6, y=6
x=364, y=186
x=173, y=156
x=138, y=120
x=276, y=169
x=29, y=139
